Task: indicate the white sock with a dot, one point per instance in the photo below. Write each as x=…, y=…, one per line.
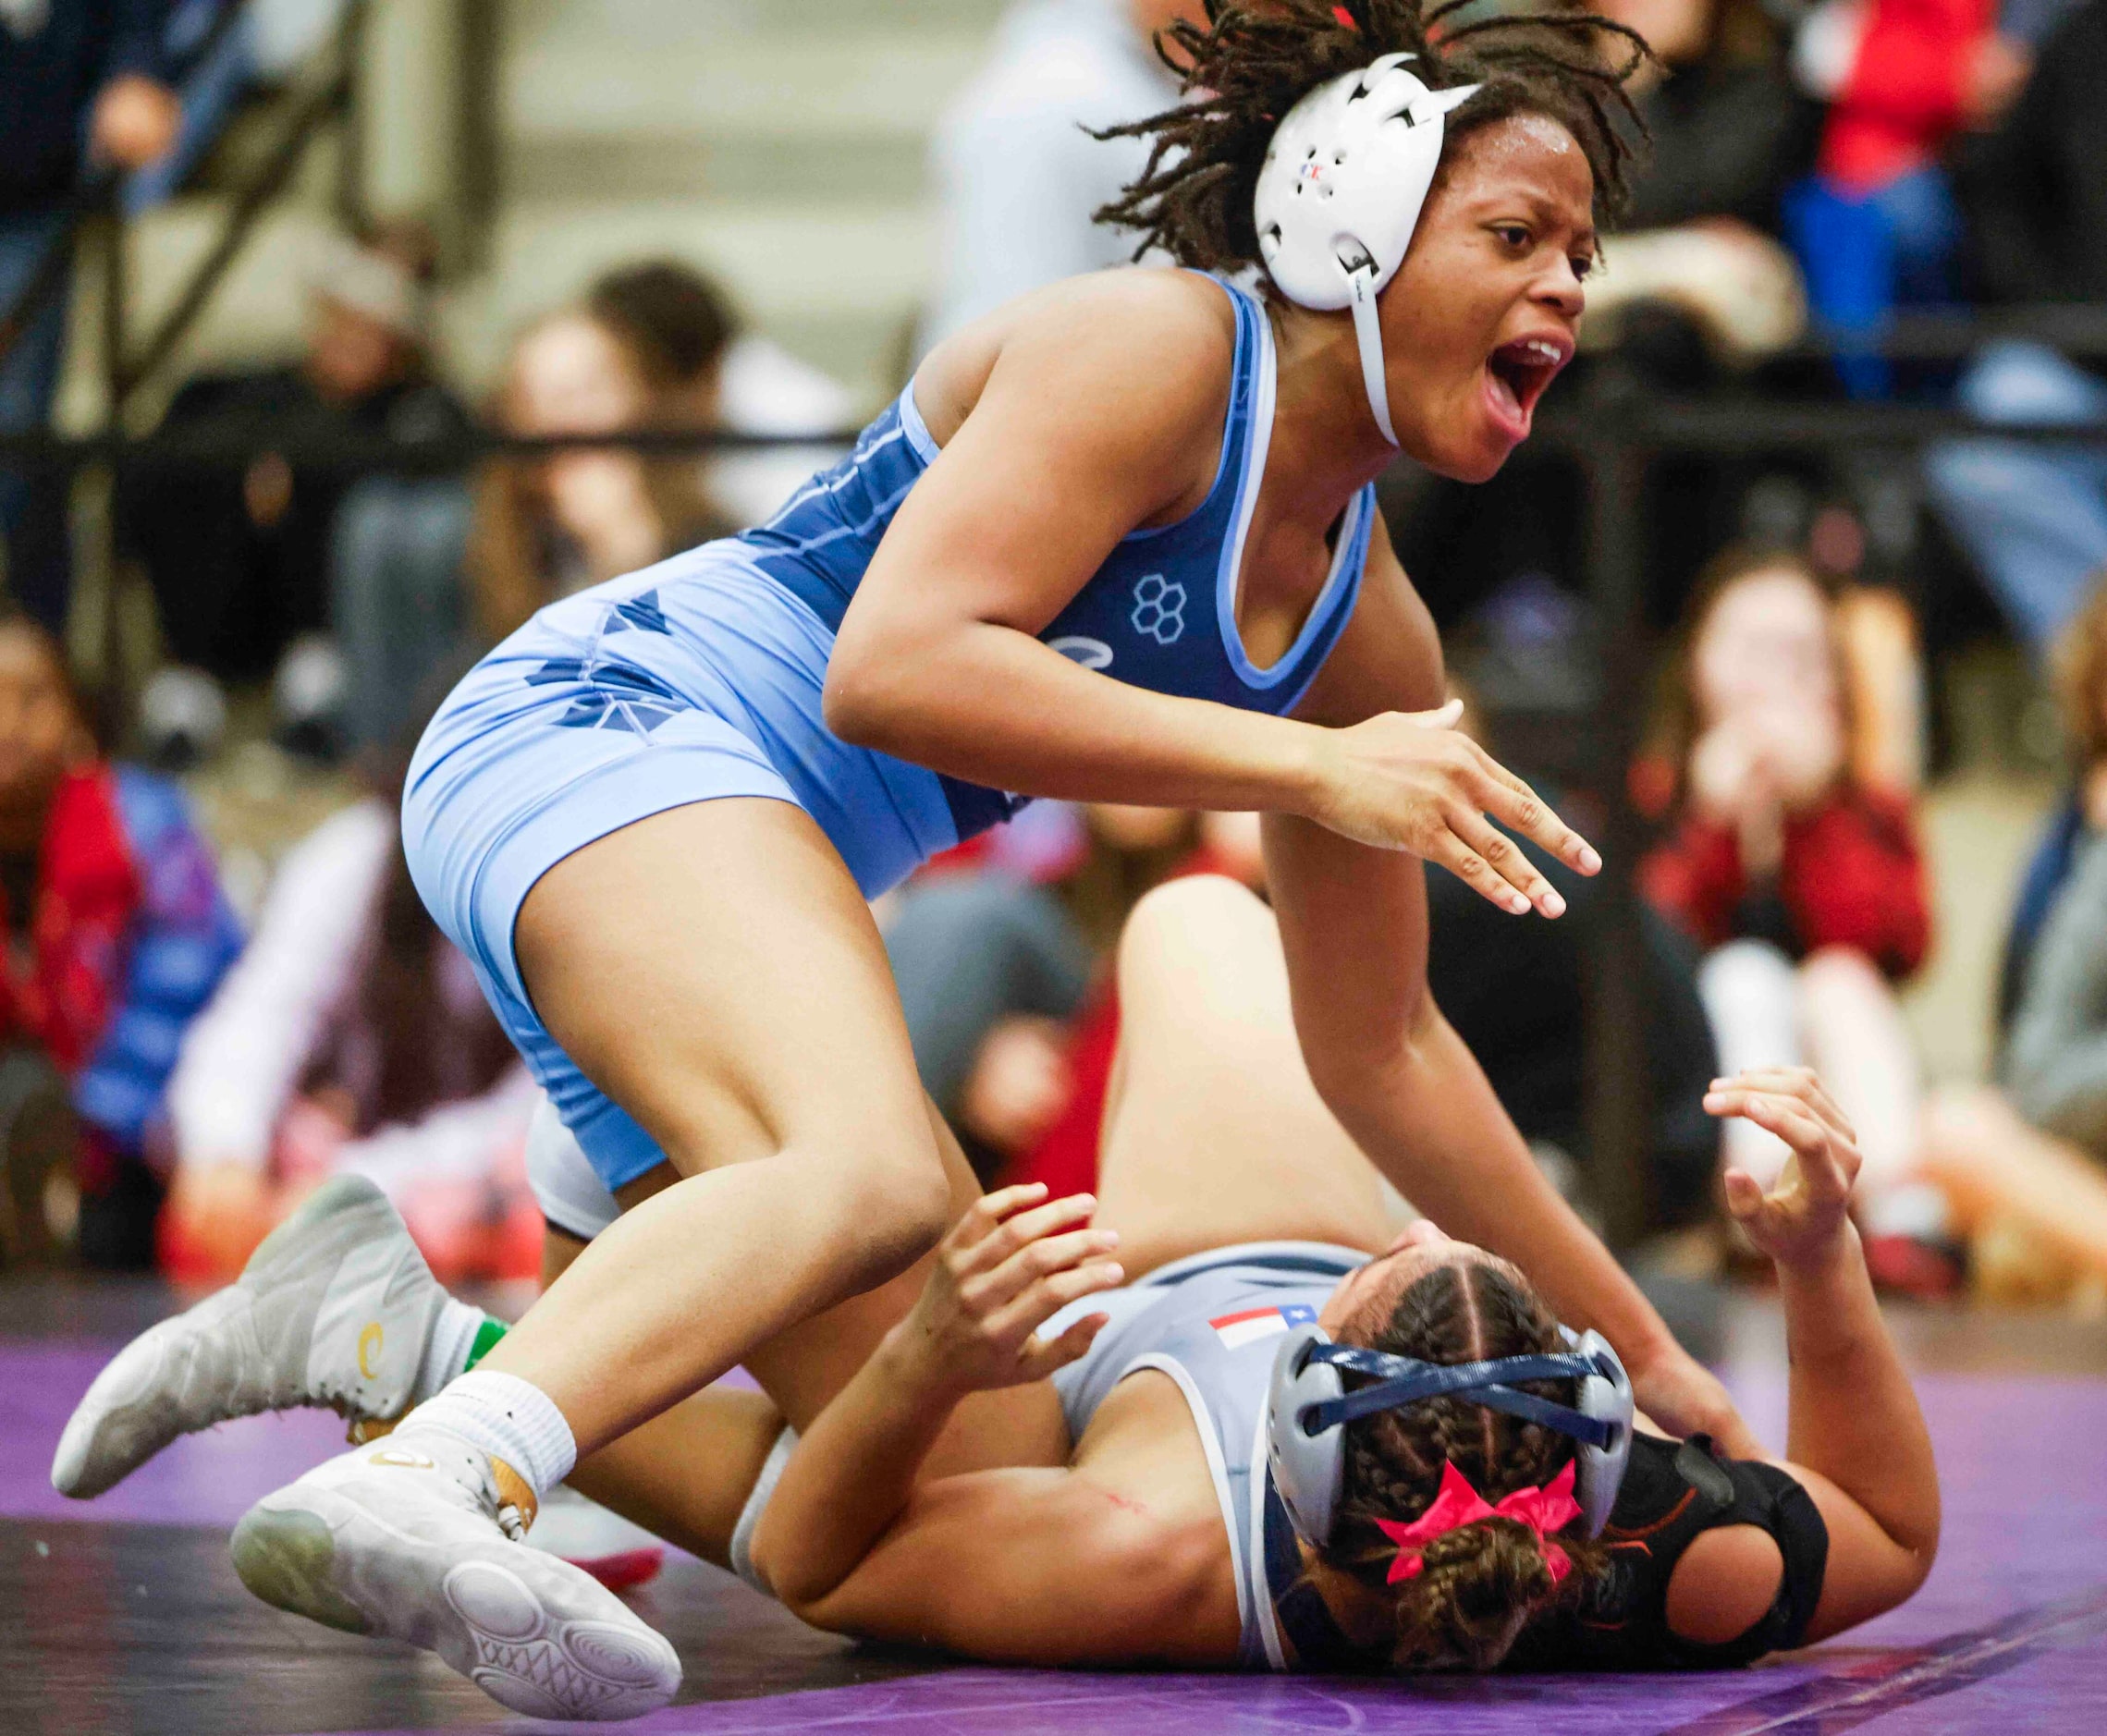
x=446, y=1351
x=507, y=1418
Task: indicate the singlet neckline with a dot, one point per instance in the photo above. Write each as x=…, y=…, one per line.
x=1259, y=448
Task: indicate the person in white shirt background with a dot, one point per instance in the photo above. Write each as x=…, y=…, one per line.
x=1018, y=177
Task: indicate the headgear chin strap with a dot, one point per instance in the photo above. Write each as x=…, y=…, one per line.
x=1339, y=194
x=1309, y=1408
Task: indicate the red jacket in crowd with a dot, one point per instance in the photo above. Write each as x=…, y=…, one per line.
x=1852, y=875
x=1906, y=90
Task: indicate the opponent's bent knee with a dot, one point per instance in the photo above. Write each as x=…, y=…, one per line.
x=1211, y=914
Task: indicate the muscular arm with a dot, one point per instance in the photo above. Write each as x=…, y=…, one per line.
x=1040, y=1565
x=1020, y=1564
x=1354, y=926
x=1102, y=412
x=1856, y=1438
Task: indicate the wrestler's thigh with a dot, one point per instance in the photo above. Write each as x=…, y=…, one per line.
x=1213, y=1133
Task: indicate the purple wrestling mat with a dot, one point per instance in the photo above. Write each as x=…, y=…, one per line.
x=2011, y=1631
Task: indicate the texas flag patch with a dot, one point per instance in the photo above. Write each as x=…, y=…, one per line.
x=1247, y=1326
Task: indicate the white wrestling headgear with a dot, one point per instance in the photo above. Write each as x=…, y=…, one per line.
x=1309, y=1407
x=1340, y=195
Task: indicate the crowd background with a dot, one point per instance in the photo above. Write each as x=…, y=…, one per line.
x=1868, y=766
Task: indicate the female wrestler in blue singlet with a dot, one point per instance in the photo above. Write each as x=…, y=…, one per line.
x=1116, y=542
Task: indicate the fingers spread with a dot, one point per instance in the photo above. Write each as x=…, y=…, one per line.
x=1047, y=1295
x=1512, y=802
x=1044, y=1356
x=1002, y=1243
x=1041, y=1259
x=1475, y=873
x=1507, y=860
x=980, y=1218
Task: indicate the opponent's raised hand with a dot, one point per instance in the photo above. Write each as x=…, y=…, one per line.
x=1005, y=1267
x=1411, y=781
x=1802, y=1218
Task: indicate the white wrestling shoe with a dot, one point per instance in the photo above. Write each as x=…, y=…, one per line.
x=416, y=1538
x=335, y=1308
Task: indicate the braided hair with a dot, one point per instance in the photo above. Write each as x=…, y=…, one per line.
x=1482, y=1584
x=1250, y=64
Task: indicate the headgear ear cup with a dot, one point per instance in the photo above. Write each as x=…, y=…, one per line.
x=1309, y=1470
x=1339, y=194
x=1605, y=1396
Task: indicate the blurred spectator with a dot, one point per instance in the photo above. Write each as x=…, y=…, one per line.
x=1805, y=883
x=241, y=563
x=117, y=934
x=1017, y=177
x=1700, y=233
x=2081, y=682
x=350, y=1037
x=545, y=527
x=1876, y=225
x=79, y=80
x=706, y=371
x=1694, y=286
x=2033, y=517
x=2025, y=1166
x=990, y=970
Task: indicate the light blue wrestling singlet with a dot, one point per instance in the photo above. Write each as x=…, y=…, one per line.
x=702, y=677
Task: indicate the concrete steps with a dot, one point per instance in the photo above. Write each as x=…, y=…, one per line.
x=779, y=144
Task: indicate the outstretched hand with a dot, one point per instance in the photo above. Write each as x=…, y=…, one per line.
x=1803, y=1217
x=1004, y=1269
x=1413, y=781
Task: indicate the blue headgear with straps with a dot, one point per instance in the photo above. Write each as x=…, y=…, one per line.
x=1309, y=1407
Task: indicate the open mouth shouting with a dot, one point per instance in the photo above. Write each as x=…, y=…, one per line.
x=1516, y=374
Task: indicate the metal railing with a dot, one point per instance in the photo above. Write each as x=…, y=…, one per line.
x=325, y=97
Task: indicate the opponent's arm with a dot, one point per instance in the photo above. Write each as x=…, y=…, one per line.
x=1857, y=1439
x=1102, y=413
x=1025, y=1564
x=1354, y=926
x=1007, y=1264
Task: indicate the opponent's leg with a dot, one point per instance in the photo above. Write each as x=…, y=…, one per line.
x=1213, y=1133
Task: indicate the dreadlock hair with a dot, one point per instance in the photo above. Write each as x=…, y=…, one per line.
x=1480, y=1585
x=1250, y=64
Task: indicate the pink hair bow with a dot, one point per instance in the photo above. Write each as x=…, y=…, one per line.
x=1458, y=1504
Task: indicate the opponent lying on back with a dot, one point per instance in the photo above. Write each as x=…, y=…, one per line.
x=1040, y=1462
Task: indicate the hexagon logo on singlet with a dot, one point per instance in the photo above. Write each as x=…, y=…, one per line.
x=1159, y=608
